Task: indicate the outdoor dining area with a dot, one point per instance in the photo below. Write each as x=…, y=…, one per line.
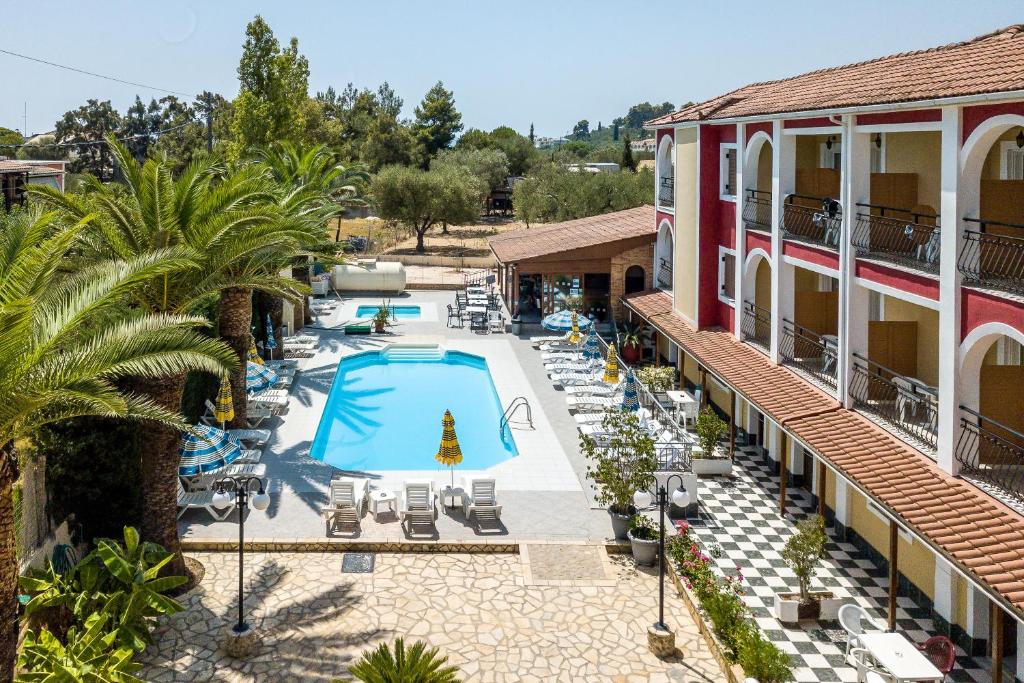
x=479, y=307
x=885, y=656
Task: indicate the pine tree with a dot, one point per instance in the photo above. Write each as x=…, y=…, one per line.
x=615, y=131
x=627, y=155
x=531, y=134
x=437, y=121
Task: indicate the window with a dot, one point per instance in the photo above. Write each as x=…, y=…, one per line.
x=726, y=275
x=831, y=155
x=1011, y=162
x=727, y=166
x=878, y=153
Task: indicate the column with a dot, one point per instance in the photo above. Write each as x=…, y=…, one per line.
x=894, y=573
x=951, y=205
x=944, y=590
x=741, y=242
x=783, y=179
x=842, y=519
x=853, y=300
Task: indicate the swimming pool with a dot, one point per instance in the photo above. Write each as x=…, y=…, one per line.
x=384, y=411
x=401, y=312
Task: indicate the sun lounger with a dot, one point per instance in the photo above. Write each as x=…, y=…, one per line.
x=593, y=402
x=205, y=481
x=302, y=351
x=418, y=508
x=567, y=356
x=537, y=341
x=346, y=505
x=201, y=500
x=479, y=500
x=282, y=364
x=275, y=398
x=552, y=347
x=558, y=368
x=249, y=456
x=592, y=389
x=571, y=379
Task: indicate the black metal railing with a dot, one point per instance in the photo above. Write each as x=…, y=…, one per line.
x=757, y=326
x=667, y=193
x=992, y=452
x=815, y=354
x=896, y=235
x=993, y=255
x=818, y=220
x=757, y=210
x=902, y=403
x=665, y=273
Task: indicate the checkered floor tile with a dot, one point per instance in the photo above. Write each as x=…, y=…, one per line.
x=740, y=515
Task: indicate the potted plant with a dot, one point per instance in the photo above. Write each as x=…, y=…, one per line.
x=643, y=537
x=660, y=378
x=383, y=318
x=620, y=466
x=631, y=342
x=802, y=553
x=709, y=428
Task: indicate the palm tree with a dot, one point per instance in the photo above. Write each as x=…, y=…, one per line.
x=209, y=217
x=415, y=664
x=67, y=341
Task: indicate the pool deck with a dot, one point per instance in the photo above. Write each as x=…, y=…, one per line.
x=543, y=491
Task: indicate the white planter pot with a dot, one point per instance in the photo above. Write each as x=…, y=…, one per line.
x=787, y=607
x=712, y=467
x=786, y=610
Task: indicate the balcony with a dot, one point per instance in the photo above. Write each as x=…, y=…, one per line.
x=904, y=405
x=757, y=210
x=665, y=274
x=898, y=236
x=757, y=326
x=812, y=353
x=993, y=255
x=992, y=453
x=815, y=220
x=667, y=193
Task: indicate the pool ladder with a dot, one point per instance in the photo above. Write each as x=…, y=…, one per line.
x=506, y=418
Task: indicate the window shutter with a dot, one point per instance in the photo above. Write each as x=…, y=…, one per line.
x=1014, y=164
x=731, y=177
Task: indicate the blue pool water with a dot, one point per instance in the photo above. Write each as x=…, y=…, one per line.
x=401, y=312
x=385, y=407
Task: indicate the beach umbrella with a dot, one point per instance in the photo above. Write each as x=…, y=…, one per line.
x=591, y=349
x=574, y=336
x=259, y=377
x=254, y=355
x=630, y=401
x=450, y=453
x=205, y=449
x=611, y=367
x=562, y=322
x=224, y=406
x=271, y=342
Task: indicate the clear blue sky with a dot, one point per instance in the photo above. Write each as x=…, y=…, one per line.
x=550, y=62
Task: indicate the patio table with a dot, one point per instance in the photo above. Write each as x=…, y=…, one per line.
x=685, y=404
x=899, y=657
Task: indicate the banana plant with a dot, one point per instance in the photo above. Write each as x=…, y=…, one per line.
x=89, y=655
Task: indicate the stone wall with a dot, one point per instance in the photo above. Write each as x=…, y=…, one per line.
x=642, y=256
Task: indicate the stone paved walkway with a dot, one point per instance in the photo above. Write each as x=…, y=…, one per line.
x=483, y=611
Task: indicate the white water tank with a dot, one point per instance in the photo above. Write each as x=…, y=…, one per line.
x=369, y=275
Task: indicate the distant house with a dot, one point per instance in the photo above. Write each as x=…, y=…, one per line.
x=16, y=174
x=594, y=167
x=549, y=142
x=645, y=145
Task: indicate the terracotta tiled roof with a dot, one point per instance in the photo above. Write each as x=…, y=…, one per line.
x=14, y=166
x=979, y=533
x=570, y=235
x=987, y=64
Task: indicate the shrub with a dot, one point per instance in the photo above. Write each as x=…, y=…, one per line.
x=657, y=378
x=88, y=654
x=709, y=430
x=415, y=664
x=760, y=659
x=625, y=466
x=804, y=550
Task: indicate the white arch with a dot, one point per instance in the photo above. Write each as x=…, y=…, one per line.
x=972, y=353
x=974, y=152
x=753, y=254
x=752, y=152
x=665, y=157
x=750, y=266
x=664, y=247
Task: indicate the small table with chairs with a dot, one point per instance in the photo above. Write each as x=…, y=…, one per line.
x=885, y=657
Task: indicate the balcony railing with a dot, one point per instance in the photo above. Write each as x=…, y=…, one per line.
x=667, y=192
x=757, y=210
x=899, y=236
x=665, y=274
x=903, y=404
x=993, y=255
x=992, y=452
x=812, y=219
x=815, y=354
x=757, y=326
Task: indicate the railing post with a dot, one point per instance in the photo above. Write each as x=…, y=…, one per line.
x=949, y=289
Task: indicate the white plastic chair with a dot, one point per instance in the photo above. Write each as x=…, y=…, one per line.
x=867, y=670
x=856, y=621
x=480, y=500
x=418, y=504
x=495, y=323
x=347, y=503
x=201, y=500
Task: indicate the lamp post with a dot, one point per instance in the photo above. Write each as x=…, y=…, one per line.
x=660, y=638
x=239, y=488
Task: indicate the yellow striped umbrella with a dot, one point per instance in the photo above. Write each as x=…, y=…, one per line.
x=611, y=367
x=450, y=453
x=574, y=335
x=254, y=355
x=224, y=407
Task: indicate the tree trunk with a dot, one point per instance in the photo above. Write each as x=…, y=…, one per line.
x=444, y=227
x=420, y=248
x=8, y=565
x=160, y=470
x=235, y=330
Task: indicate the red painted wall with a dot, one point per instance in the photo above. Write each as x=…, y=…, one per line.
x=664, y=132
x=975, y=116
x=758, y=240
x=804, y=252
x=977, y=308
x=765, y=127
x=915, y=116
x=898, y=279
x=660, y=216
x=816, y=122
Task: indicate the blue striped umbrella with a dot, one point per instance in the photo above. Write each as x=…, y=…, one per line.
x=562, y=321
x=591, y=349
x=271, y=342
x=205, y=449
x=258, y=377
x=629, y=398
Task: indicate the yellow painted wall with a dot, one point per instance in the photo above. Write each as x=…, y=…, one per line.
x=927, y=335
x=830, y=489
x=808, y=152
x=685, y=268
x=763, y=284
x=764, y=168
x=691, y=369
x=959, y=599
x=992, y=355
x=719, y=395
x=990, y=170
x=804, y=280
x=918, y=153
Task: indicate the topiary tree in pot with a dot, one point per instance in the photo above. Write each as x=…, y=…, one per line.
x=802, y=553
x=620, y=465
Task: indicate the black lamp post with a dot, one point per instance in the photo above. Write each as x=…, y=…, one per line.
x=239, y=488
x=643, y=499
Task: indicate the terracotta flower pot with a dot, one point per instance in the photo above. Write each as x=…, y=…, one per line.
x=630, y=353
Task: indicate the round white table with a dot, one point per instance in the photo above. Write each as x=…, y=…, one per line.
x=381, y=497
